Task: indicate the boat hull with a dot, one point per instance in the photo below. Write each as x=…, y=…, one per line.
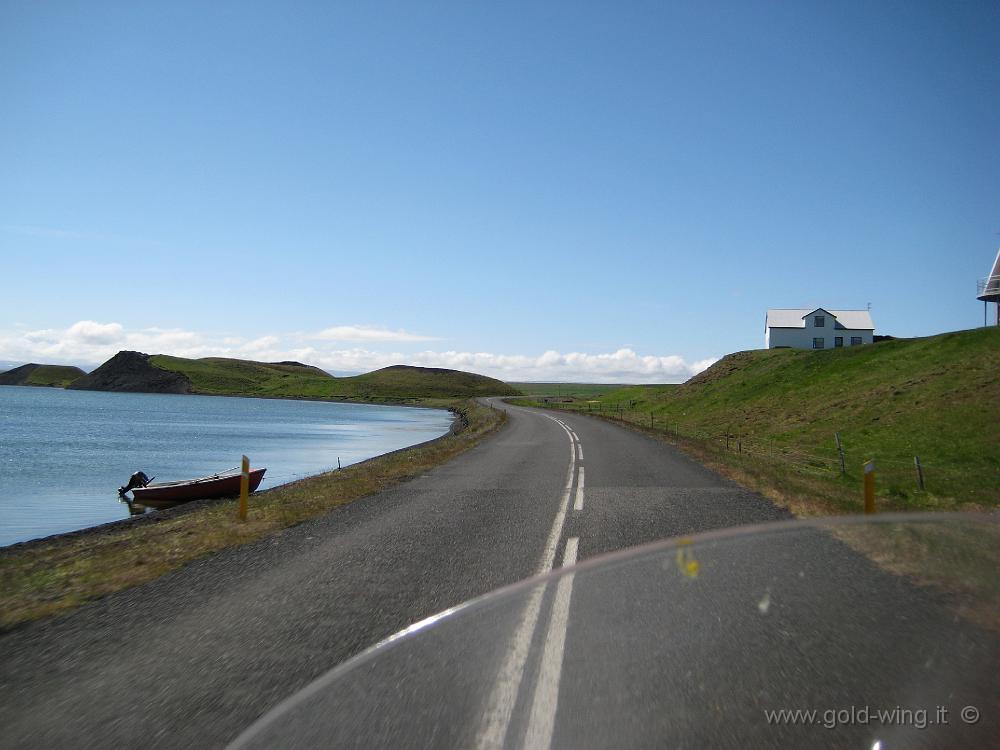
x=167, y=495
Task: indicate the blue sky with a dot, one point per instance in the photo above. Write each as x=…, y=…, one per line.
x=576, y=191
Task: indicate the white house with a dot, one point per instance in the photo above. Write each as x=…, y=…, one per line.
x=817, y=329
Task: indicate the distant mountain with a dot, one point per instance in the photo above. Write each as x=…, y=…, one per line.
x=160, y=373
x=47, y=376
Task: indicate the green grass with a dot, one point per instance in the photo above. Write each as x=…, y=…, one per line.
x=396, y=384
x=219, y=376
x=49, y=376
x=401, y=382
x=53, y=376
x=937, y=398
x=566, y=390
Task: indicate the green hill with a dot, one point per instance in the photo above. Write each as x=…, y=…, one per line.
x=402, y=381
x=217, y=375
x=937, y=398
x=160, y=373
x=50, y=376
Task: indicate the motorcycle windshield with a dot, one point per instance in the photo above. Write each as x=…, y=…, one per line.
x=830, y=633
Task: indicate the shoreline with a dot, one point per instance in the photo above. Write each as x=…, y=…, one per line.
x=53, y=575
x=415, y=402
x=458, y=424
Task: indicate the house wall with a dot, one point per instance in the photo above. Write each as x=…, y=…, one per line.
x=802, y=338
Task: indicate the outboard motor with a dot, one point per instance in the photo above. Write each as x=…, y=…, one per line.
x=139, y=479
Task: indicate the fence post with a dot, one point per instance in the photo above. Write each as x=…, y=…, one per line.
x=840, y=452
x=650, y=420
x=870, y=486
x=920, y=473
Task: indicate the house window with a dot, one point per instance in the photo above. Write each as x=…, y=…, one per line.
x=838, y=341
x=819, y=321
x=855, y=340
x=818, y=343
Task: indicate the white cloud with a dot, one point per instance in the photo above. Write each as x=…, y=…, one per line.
x=365, y=333
x=90, y=342
x=261, y=344
x=91, y=332
x=622, y=366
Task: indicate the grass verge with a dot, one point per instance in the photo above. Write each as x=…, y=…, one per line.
x=958, y=561
x=47, y=577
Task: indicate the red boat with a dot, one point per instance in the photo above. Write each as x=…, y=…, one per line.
x=168, y=494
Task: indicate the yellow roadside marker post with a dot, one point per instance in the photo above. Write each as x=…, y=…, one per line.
x=870, y=486
x=244, y=488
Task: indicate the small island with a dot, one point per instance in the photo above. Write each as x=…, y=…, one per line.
x=44, y=376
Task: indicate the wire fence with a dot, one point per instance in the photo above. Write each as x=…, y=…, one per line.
x=901, y=475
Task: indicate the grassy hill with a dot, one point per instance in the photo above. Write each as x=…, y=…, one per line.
x=937, y=398
x=217, y=375
x=51, y=376
x=396, y=384
x=402, y=381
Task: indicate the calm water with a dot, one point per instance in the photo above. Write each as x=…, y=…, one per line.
x=63, y=454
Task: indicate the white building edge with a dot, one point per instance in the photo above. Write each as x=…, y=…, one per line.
x=988, y=290
x=819, y=328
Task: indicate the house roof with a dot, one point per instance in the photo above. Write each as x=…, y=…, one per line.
x=819, y=310
x=855, y=320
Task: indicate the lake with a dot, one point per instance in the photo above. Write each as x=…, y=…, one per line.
x=63, y=454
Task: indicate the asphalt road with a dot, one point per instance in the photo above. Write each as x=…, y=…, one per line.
x=194, y=658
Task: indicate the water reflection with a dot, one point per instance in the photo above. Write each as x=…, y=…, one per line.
x=134, y=509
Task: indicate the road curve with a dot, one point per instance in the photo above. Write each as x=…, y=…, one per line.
x=195, y=657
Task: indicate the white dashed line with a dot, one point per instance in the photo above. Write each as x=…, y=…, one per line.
x=578, y=504
x=579, y=451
